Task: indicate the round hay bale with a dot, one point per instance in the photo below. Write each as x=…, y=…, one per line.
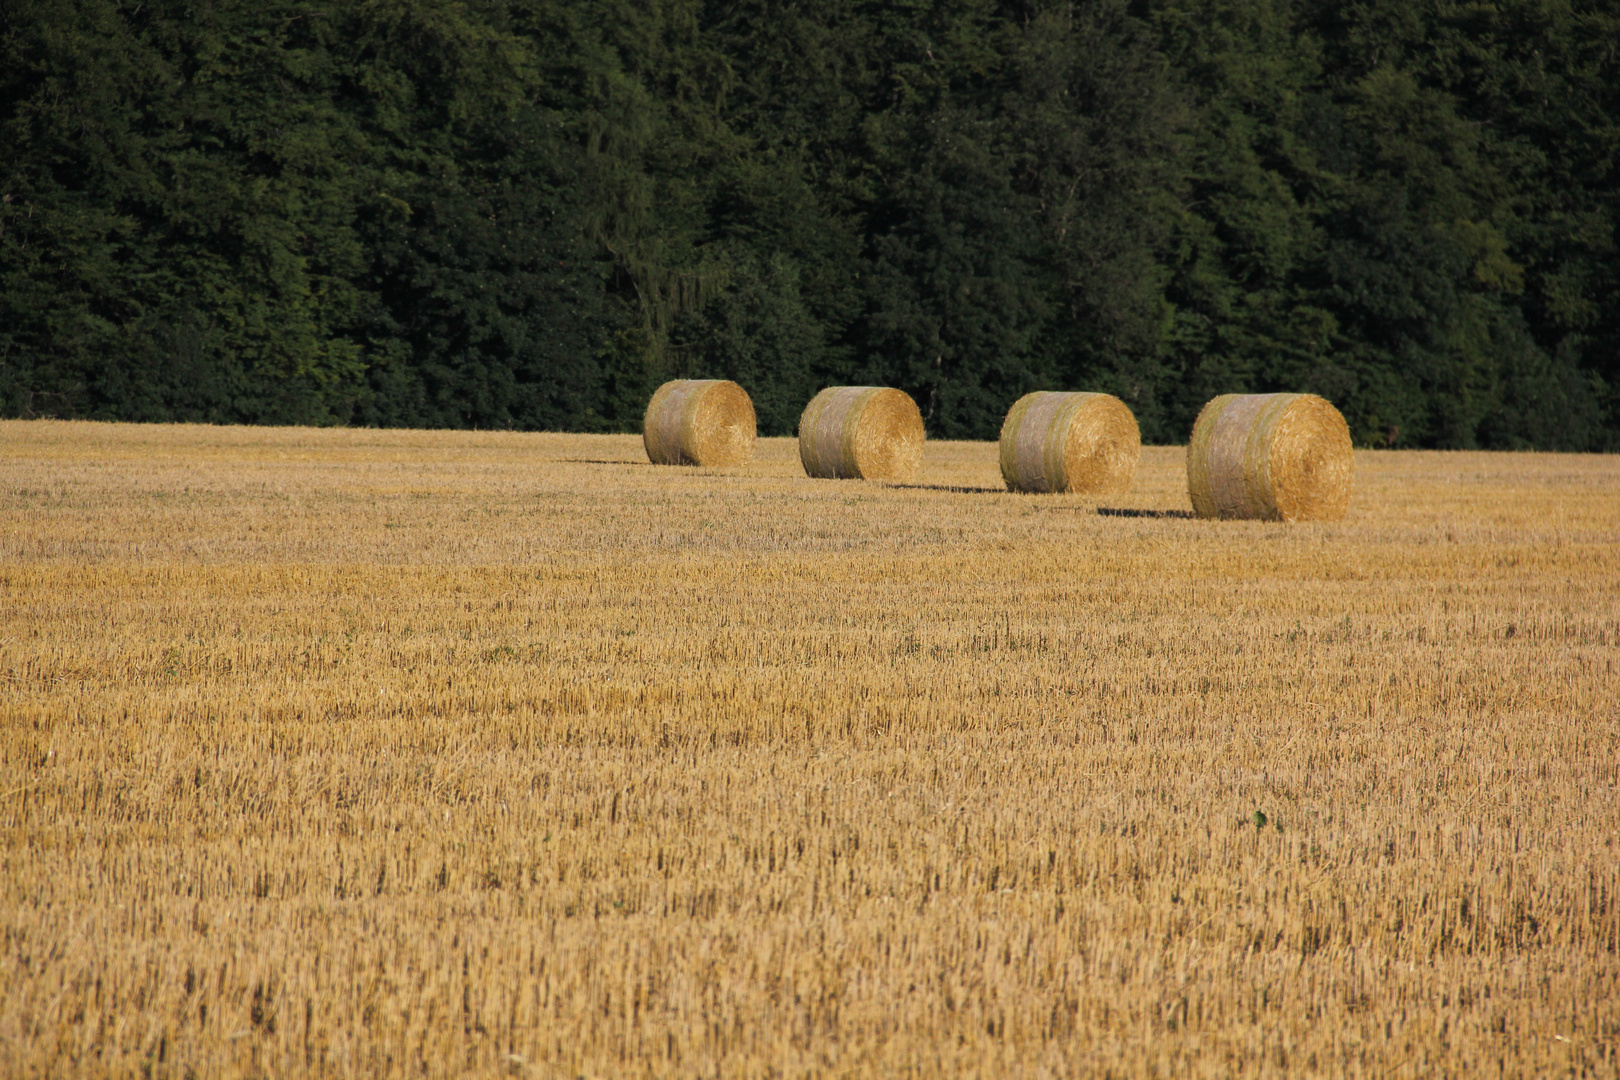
x=1083, y=443
x=861, y=433
x=1271, y=457
x=699, y=422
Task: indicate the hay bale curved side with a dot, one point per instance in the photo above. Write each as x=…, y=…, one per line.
x=861, y=433
x=699, y=422
x=1071, y=442
x=1270, y=457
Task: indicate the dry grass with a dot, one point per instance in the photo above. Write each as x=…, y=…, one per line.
x=401, y=753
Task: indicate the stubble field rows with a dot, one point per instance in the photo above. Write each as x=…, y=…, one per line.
x=349, y=753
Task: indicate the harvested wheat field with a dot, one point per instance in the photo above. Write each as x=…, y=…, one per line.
x=361, y=753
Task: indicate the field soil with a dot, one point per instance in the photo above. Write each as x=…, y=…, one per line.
x=398, y=753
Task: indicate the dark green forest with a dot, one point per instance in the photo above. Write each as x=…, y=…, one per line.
x=529, y=213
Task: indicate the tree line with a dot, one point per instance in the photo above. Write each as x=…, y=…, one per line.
x=529, y=213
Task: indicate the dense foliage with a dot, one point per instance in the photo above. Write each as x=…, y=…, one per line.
x=528, y=213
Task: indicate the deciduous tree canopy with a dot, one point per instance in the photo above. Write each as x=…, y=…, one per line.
x=529, y=213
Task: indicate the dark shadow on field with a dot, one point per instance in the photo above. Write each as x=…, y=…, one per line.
x=953, y=490
x=598, y=461
x=1113, y=511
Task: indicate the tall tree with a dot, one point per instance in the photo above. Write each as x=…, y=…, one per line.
x=176, y=233
x=528, y=213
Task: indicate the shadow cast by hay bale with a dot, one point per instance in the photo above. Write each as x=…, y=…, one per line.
x=1119, y=511
x=953, y=489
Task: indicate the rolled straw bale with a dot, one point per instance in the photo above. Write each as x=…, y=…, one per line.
x=1084, y=443
x=699, y=422
x=1275, y=457
x=861, y=433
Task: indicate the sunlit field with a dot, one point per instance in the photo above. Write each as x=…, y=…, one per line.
x=400, y=753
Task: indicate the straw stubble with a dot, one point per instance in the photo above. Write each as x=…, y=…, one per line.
x=699, y=422
x=1070, y=442
x=861, y=433
x=341, y=752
